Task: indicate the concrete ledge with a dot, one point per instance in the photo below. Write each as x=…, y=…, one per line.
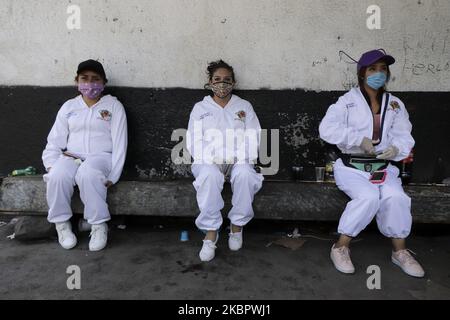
x=283, y=200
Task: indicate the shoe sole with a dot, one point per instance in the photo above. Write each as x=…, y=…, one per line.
x=206, y=260
x=397, y=263
x=203, y=260
x=234, y=249
x=95, y=250
x=341, y=270
x=68, y=248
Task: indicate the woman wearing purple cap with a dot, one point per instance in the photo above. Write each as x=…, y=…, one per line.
x=86, y=146
x=371, y=127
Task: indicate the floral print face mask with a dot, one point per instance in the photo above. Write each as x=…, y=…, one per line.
x=221, y=89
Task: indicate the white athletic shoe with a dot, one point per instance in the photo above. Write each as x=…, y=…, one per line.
x=409, y=265
x=235, y=240
x=208, y=250
x=341, y=259
x=66, y=238
x=99, y=237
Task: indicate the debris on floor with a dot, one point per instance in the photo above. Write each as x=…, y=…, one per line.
x=290, y=243
x=295, y=234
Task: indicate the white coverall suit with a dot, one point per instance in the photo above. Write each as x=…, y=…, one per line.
x=211, y=143
x=345, y=124
x=97, y=135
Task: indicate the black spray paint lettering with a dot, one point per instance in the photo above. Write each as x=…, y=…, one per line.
x=419, y=69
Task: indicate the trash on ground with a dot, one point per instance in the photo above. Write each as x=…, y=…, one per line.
x=11, y=237
x=184, y=236
x=30, y=171
x=290, y=243
x=295, y=234
x=2, y=223
x=121, y=227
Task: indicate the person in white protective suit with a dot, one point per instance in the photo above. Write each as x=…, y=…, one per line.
x=223, y=139
x=86, y=147
x=371, y=127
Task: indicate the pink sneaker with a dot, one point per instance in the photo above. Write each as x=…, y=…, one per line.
x=406, y=261
x=341, y=259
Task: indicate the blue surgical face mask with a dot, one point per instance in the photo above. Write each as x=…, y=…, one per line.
x=377, y=80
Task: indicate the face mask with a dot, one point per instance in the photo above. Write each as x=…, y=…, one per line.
x=377, y=80
x=92, y=90
x=222, y=89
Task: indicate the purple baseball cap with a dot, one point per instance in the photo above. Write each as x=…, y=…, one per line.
x=370, y=57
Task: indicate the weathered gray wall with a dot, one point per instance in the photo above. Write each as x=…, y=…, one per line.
x=274, y=44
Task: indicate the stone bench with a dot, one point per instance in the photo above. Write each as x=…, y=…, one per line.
x=282, y=200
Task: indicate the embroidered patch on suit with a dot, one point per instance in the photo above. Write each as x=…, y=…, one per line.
x=395, y=106
x=105, y=115
x=241, y=115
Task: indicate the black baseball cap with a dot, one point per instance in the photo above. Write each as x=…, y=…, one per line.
x=92, y=65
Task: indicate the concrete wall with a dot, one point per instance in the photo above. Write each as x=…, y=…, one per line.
x=274, y=44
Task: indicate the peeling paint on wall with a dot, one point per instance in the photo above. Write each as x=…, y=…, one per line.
x=299, y=134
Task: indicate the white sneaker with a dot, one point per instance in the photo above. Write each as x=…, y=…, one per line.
x=406, y=261
x=208, y=250
x=341, y=259
x=99, y=237
x=235, y=240
x=66, y=238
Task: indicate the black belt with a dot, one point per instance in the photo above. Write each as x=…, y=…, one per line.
x=364, y=163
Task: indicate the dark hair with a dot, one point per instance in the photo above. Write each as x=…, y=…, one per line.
x=219, y=64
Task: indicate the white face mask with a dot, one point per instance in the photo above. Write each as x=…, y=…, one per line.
x=221, y=89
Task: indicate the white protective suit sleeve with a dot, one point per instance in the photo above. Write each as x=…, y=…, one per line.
x=334, y=127
x=56, y=140
x=399, y=134
x=194, y=137
x=119, y=135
